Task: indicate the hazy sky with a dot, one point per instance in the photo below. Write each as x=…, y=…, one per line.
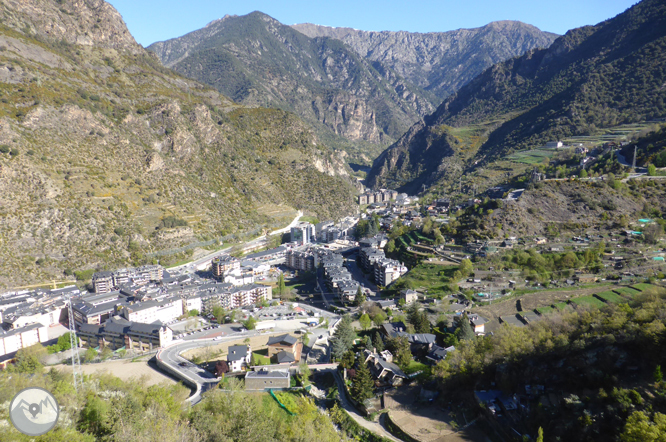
x=155, y=20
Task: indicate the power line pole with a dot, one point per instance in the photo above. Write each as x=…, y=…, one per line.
x=74, y=343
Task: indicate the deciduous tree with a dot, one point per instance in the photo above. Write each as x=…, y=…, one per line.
x=365, y=321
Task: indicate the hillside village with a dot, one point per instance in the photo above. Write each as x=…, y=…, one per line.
x=329, y=254
x=398, y=285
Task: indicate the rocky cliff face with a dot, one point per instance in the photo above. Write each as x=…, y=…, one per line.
x=439, y=62
x=99, y=144
x=82, y=22
x=256, y=60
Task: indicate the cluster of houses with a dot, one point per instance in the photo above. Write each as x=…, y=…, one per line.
x=107, y=281
x=385, y=372
x=231, y=270
x=284, y=352
x=130, y=309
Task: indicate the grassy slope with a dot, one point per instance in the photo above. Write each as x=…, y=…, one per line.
x=108, y=143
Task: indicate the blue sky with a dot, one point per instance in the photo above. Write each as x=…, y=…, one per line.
x=155, y=20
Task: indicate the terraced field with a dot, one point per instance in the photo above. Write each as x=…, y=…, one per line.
x=536, y=156
x=611, y=297
x=589, y=301
x=558, y=301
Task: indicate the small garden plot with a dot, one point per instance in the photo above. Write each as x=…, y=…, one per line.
x=642, y=286
x=589, y=301
x=627, y=291
x=611, y=297
x=561, y=305
x=545, y=310
x=261, y=357
x=531, y=156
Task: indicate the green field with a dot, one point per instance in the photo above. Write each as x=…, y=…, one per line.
x=628, y=291
x=642, y=286
x=422, y=238
x=561, y=305
x=531, y=156
x=429, y=276
x=545, y=310
x=612, y=297
x=309, y=219
x=589, y=301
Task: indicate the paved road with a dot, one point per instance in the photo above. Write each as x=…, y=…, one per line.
x=200, y=263
x=622, y=160
x=169, y=358
x=363, y=280
x=375, y=427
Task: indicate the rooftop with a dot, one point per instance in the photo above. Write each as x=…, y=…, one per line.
x=282, y=339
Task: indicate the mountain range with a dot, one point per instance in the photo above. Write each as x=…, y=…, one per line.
x=592, y=77
x=359, y=90
x=440, y=63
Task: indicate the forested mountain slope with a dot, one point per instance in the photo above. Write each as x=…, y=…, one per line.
x=592, y=77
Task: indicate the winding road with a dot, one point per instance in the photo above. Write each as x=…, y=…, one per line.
x=375, y=427
x=202, y=263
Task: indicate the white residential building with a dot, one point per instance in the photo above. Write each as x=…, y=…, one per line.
x=239, y=357
x=303, y=233
x=151, y=311
x=22, y=337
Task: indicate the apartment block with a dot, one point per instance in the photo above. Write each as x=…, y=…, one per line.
x=22, y=337
x=104, y=282
x=117, y=333
x=303, y=233
x=148, y=312
x=300, y=260
x=223, y=264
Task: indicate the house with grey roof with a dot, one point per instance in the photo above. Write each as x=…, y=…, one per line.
x=284, y=348
x=383, y=370
x=264, y=380
x=438, y=353
x=239, y=357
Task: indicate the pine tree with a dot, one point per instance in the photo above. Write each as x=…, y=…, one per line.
x=362, y=385
x=343, y=338
x=402, y=354
x=658, y=376
x=540, y=435
x=348, y=359
x=360, y=296
x=378, y=342
x=422, y=324
x=465, y=332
